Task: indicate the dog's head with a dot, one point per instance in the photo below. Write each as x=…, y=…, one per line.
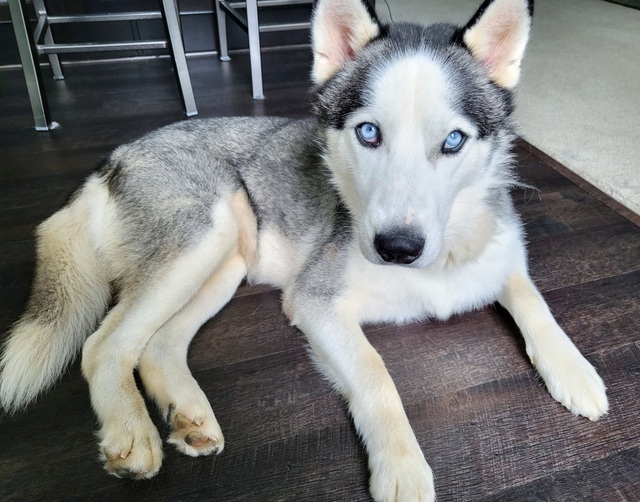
x=418, y=126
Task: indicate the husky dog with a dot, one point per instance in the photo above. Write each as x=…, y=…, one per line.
x=391, y=204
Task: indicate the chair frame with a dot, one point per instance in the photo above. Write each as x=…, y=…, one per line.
x=41, y=42
x=251, y=25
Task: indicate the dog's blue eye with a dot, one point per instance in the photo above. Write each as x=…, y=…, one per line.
x=368, y=134
x=454, y=142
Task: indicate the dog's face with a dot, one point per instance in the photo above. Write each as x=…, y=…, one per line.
x=413, y=115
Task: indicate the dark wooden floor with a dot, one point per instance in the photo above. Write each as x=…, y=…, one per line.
x=485, y=422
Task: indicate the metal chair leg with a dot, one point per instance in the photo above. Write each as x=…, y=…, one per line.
x=30, y=65
x=54, y=61
x=222, y=33
x=254, y=48
x=172, y=20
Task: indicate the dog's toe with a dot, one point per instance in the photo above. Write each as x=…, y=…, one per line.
x=197, y=434
x=401, y=478
x=574, y=383
x=586, y=395
x=135, y=455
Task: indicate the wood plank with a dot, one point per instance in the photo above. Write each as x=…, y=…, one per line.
x=614, y=479
x=580, y=182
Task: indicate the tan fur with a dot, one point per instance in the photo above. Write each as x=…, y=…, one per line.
x=113, y=351
x=569, y=377
x=399, y=471
x=498, y=40
x=48, y=336
x=166, y=376
x=331, y=52
x=247, y=228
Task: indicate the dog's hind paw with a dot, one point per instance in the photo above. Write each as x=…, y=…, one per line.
x=573, y=382
x=403, y=477
x=195, y=434
x=136, y=455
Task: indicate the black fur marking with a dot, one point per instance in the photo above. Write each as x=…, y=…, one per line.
x=100, y=169
x=485, y=5
x=252, y=203
x=371, y=10
x=102, y=165
x=334, y=100
x=111, y=175
x=473, y=93
x=255, y=207
x=170, y=413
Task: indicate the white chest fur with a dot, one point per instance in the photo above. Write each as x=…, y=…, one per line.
x=377, y=293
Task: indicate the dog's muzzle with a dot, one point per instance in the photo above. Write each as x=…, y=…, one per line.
x=401, y=248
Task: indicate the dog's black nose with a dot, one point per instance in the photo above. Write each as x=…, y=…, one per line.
x=399, y=248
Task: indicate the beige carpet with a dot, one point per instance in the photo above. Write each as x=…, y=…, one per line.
x=579, y=97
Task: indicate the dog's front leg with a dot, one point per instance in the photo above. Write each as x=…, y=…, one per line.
x=569, y=377
x=399, y=472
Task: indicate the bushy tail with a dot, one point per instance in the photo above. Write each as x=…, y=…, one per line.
x=70, y=292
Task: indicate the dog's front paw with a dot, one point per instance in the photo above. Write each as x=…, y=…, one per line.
x=573, y=382
x=401, y=477
x=195, y=431
x=131, y=453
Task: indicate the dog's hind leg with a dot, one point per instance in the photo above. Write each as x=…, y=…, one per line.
x=569, y=377
x=130, y=444
x=166, y=376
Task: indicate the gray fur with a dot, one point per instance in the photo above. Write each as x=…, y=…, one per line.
x=166, y=182
x=472, y=93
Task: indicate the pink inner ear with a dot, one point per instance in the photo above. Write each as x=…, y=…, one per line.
x=503, y=38
x=346, y=51
x=499, y=49
x=350, y=53
x=492, y=59
x=339, y=50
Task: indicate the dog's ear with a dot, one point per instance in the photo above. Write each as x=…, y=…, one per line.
x=497, y=36
x=339, y=30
